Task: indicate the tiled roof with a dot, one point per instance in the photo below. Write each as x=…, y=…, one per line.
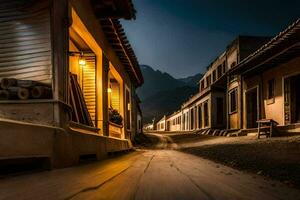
x=115, y=9
x=119, y=42
x=284, y=39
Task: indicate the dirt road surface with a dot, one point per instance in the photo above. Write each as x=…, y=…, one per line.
x=161, y=174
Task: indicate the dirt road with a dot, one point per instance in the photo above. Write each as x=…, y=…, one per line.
x=146, y=175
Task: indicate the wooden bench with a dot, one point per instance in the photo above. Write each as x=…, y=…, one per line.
x=266, y=127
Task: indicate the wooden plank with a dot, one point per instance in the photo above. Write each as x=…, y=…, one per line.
x=25, y=44
x=89, y=85
x=75, y=117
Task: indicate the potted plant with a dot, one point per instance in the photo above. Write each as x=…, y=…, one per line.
x=115, y=117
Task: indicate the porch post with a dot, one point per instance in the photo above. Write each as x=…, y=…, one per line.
x=60, y=47
x=241, y=105
x=105, y=69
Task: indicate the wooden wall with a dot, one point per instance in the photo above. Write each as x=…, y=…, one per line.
x=25, y=42
x=115, y=95
x=89, y=86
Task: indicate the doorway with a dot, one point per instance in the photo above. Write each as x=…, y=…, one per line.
x=206, y=117
x=168, y=126
x=192, y=118
x=220, y=111
x=199, y=117
x=292, y=99
x=252, y=107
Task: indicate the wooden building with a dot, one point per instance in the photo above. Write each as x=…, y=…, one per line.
x=211, y=109
x=256, y=78
x=77, y=50
x=216, y=108
x=270, y=80
x=208, y=110
x=236, y=52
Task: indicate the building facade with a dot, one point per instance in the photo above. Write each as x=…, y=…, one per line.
x=255, y=78
x=74, y=76
x=161, y=124
x=208, y=110
x=237, y=51
x=269, y=79
x=174, y=122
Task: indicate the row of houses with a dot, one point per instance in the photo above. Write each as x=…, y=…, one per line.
x=255, y=78
x=77, y=51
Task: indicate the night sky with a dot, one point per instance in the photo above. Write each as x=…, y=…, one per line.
x=182, y=37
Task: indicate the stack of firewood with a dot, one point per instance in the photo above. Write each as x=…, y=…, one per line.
x=13, y=89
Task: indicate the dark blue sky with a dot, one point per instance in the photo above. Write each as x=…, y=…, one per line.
x=182, y=37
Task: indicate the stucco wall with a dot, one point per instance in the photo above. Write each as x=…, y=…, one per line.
x=176, y=126
x=232, y=57
x=268, y=109
x=276, y=110
x=206, y=98
x=161, y=124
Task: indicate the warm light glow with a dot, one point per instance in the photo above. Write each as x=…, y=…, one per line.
x=82, y=61
x=109, y=90
x=128, y=106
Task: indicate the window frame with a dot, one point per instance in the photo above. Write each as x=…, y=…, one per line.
x=206, y=116
x=231, y=111
x=224, y=67
x=219, y=71
x=214, y=76
x=202, y=85
x=208, y=80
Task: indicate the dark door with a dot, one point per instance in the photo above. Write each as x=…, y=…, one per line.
x=220, y=111
x=192, y=118
x=199, y=117
x=206, y=117
x=251, y=106
x=183, y=122
x=295, y=99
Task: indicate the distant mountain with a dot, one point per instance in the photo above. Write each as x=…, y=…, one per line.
x=156, y=81
x=191, y=80
x=165, y=102
x=163, y=94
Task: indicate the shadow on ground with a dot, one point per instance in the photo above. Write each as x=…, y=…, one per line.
x=146, y=141
x=276, y=158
